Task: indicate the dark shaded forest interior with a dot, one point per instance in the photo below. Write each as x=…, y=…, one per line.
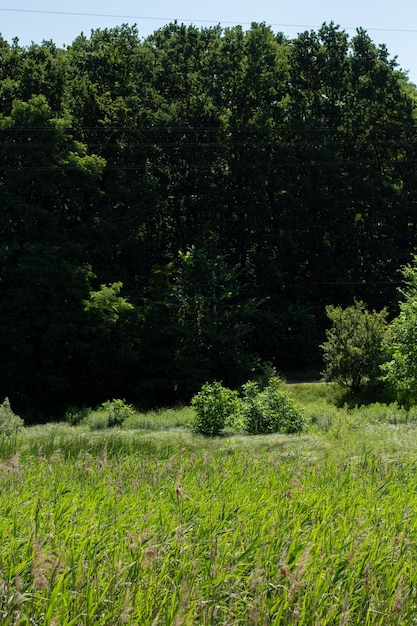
x=182, y=208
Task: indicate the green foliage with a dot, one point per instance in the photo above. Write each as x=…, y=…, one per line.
x=118, y=411
x=10, y=423
x=107, y=306
x=271, y=410
x=246, y=151
x=318, y=529
x=214, y=406
x=392, y=413
x=196, y=321
x=160, y=420
x=109, y=414
x=353, y=352
x=111, y=331
x=322, y=415
x=400, y=371
x=74, y=415
x=97, y=420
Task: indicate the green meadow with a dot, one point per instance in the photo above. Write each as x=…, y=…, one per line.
x=151, y=524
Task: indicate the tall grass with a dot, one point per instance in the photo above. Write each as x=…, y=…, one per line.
x=165, y=527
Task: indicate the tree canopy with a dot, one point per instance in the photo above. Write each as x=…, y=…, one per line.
x=182, y=208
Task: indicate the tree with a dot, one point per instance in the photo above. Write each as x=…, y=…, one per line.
x=284, y=169
x=41, y=330
x=111, y=334
x=197, y=321
x=48, y=189
x=353, y=352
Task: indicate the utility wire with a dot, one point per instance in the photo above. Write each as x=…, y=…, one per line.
x=172, y=19
x=191, y=129
x=195, y=167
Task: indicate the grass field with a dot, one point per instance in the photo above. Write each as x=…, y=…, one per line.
x=152, y=524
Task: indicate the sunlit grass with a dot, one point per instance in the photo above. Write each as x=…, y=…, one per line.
x=161, y=420
x=153, y=524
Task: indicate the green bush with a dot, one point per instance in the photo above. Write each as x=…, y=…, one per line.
x=117, y=411
x=354, y=350
x=255, y=415
x=74, y=415
x=109, y=414
x=215, y=406
x=10, y=423
x=271, y=410
x=400, y=372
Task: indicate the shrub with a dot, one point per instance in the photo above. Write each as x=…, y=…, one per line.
x=110, y=413
x=271, y=410
x=10, y=423
x=214, y=407
x=75, y=415
x=353, y=352
x=401, y=369
x=255, y=414
x=117, y=411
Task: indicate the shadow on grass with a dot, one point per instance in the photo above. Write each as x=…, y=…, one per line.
x=347, y=398
x=341, y=397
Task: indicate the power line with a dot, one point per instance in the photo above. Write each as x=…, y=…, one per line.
x=195, y=167
x=288, y=128
x=200, y=145
x=199, y=21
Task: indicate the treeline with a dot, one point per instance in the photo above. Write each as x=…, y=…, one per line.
x=181, y=208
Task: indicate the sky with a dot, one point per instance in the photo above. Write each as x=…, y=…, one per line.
x=393, y=23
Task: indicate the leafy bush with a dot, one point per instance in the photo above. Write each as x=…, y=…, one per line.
x=111, y=413
x=400, y=372
x=10, y=423
x=255, y=414
x=353, y=352
x=271, y=410
x=214, y=407
x=75, y=415
x=117, y=411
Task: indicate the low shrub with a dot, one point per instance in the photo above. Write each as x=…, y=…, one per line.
x=271, y=410
x=109, y=414
x=255, y=415
x=74, y=415
x=10, y=423
x=117, y=411
x=215, y=406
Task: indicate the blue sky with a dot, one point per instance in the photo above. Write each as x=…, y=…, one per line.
x=392, y=23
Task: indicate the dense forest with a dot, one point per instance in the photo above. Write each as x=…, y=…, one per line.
x=182, y=208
